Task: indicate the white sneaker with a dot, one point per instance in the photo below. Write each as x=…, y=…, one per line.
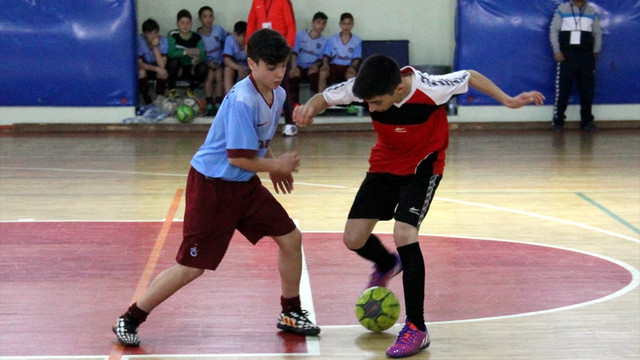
x=290, y=130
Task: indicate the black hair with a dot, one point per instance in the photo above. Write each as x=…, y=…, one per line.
x=378, y=75
x=346, y=16
x=319, y=15
x=150, y=25
x=203, y=9
x=269, y=46
x=240, y=27
x=184, y=13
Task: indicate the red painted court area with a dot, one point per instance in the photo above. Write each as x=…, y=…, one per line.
x=63, y=284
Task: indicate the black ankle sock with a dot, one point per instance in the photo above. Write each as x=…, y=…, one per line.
x=291, y=304
x=374, y=250
x=413, y=278
x=135, y=315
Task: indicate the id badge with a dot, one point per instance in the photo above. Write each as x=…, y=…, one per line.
x=266, y=25
x=575, y=37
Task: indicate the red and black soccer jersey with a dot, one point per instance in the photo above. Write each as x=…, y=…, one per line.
x=414, y=128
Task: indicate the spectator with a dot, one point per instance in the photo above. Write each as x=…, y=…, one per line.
x=277, y=15
x=213, y=37
x=576, y=40
x=306, y=58
x=186, y=55
x=235, y=58
x=341, y=55
x=152, y=59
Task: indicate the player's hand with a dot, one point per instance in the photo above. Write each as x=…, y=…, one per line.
x=193, y=52
x=558, y=57
x=303, y=115
x=282, y=178
x=525, y=98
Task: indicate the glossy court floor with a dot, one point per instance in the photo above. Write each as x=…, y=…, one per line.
x=532, y=250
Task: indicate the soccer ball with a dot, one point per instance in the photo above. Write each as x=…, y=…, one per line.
x=377, y=309
x=185, y=114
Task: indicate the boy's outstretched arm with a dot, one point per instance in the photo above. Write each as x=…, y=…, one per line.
x=483, y=84
x=303, y=114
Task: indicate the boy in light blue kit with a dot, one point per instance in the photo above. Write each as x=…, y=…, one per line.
x=152, y=59
x=213, y=37
x=235, y=58
x=224, y=193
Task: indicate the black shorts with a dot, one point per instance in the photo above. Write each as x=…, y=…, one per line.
x=385, y=196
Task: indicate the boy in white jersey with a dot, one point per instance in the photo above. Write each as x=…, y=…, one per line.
x=213, y=37
x=306, y=58
x=224, y=193
x=406, y=165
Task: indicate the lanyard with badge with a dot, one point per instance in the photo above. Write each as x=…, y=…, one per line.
x=267, y=8
x=575, y=34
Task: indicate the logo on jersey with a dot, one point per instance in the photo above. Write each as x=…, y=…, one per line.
x=401, y=130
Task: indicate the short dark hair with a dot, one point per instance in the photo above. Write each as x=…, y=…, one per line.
x=378, y=75
x=346, y=16
x=240, y=27
x=184, y=13
x=150, y=25
x=319, y=15
x=269, y=46
x=203, y=9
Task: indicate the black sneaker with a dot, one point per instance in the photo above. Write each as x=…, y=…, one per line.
x=589, y=127
x=127, y=332
x=297, y=323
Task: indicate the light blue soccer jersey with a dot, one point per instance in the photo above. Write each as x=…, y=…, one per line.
x=340, y=53
x=233, y=49
x=309, y=50
x=147, y=54
x=244, y=122
x=214, y=43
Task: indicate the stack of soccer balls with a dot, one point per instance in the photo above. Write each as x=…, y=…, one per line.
x=377, y=309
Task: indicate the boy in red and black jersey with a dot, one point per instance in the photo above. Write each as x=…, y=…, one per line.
x=406, y=165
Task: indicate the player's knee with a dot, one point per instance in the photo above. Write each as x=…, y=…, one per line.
x=292, y=242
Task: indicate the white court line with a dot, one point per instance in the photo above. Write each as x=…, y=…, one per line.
x=566, y=222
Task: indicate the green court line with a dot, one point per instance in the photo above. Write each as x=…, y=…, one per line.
x=608, y=212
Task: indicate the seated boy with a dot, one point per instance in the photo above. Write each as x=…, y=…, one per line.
x=186, y=55
x=341, y=55
x=306, y=58
x=235, y=58
x=213, y=36
x=152, y=59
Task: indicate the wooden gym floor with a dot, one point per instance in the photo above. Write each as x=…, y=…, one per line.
x=532, y=250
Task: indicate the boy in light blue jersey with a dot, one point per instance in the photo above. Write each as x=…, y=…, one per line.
x=235, y=58
x=213, y=37
x=152, y=59
x=306, y=58
x=342, y=55
x=224, y=194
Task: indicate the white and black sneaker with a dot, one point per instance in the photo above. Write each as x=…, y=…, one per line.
x=290, y=130
x=297, y=323
x=127, y=332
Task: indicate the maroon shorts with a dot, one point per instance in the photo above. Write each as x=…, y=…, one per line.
x=216, y=208
x=338, y=73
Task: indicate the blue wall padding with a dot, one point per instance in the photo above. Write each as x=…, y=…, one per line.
x=68, y=53
x=508, y=41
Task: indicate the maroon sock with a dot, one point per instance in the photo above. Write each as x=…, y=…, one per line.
x=136, y=314
x=290, y=304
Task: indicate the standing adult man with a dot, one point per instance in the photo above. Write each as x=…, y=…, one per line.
x=576, y=40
